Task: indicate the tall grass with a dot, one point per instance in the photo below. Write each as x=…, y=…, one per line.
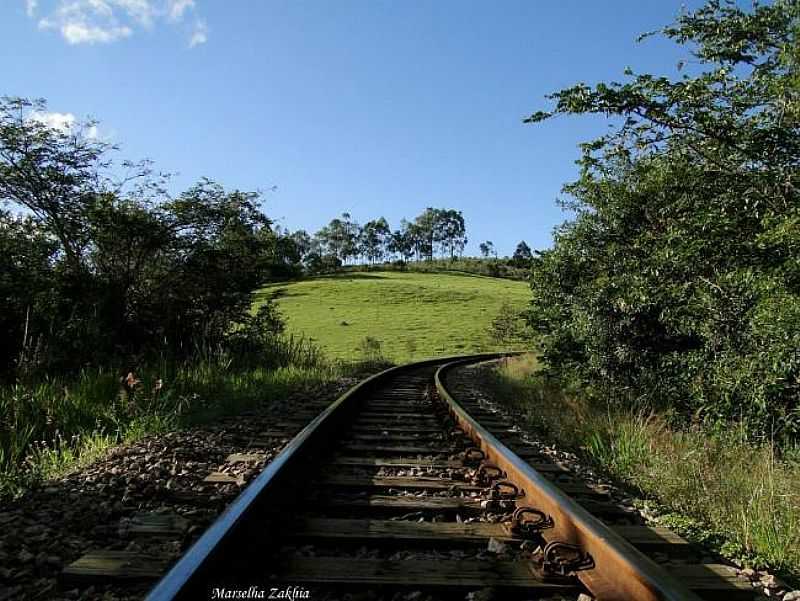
x=53, y=424
x=742, y=498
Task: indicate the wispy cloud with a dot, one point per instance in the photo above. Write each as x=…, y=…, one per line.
x=106, y=21
x=199, y=33
x=141, y=11
x=177, y=8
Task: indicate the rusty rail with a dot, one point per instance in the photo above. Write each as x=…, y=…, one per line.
x=617, y=571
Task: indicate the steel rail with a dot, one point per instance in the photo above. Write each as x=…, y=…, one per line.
x=620, y=571
x=188, y=579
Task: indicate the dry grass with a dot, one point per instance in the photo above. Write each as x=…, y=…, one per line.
x=743, y=499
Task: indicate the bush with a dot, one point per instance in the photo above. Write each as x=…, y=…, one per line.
x=509, y=325
x=257, y=338
x=104, y=272
x=259, y=341
x=677, y=284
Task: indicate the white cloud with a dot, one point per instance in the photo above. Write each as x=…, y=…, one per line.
x=177, y=8
x=59, y=121
x=80, y=33
x=141, y=11
x=64, y=122
x=106, y=21
x=199, y=34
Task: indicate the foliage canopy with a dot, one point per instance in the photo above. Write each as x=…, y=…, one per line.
x=96, y=268
x=678, y=281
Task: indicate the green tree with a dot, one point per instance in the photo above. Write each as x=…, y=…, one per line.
x=678, y=283
x=27, y=253
x=438, y=228
x=522, y=255
x=303, y=243
x=425, y=232
x=451, y=232
x=340, y=238
x=103, y=270
x=401, y=242
x=374, y=238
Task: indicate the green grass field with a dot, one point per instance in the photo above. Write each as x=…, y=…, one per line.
x=413, y=315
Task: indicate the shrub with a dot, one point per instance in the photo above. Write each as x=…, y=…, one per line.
x=677, y=284
x=509, y=325
x=104, y=272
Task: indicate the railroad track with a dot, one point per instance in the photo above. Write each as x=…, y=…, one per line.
x=398, y=491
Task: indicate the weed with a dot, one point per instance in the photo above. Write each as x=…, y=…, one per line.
x=55, y=425
x=370, y=348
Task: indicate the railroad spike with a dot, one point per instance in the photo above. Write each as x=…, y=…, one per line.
x=530, y=528
x=576, y=560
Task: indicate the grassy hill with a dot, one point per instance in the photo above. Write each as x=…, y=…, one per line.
x=413, y=315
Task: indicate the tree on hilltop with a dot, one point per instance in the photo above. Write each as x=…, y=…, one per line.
x=374, y=238
x=522, y=255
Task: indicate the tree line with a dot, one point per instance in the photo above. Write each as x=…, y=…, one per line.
x=433, y=233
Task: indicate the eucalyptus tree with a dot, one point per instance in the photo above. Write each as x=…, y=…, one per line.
x=522, y=255
x=439, y=228
x=374, y=238
x=340, y=237
x=451, y=232
x=401, y=241
x=425, y=230
x=302, y=242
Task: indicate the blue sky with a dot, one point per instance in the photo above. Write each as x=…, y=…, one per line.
x=372, y=107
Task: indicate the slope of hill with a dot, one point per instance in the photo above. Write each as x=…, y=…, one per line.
x=412, y=315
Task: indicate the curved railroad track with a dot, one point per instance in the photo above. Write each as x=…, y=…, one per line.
x=397, y=487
